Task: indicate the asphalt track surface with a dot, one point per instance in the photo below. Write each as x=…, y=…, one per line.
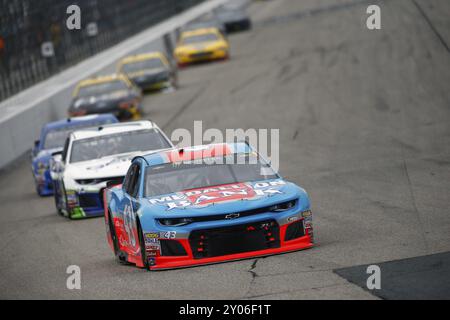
x=364, y=119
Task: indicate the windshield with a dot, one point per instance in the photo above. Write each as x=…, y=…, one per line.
x=124, y=142
x=56, y=138
x=154, y=63
x=170, y=177
x=102, y=88
x=200, y=38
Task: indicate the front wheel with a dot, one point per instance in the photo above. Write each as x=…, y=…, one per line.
x=57, y=199
x=142, y=246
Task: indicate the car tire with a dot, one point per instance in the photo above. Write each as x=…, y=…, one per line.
x=142, y=246
x=69, y=214
x=57, y=200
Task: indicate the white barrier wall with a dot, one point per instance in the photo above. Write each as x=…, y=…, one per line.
x=22, y=116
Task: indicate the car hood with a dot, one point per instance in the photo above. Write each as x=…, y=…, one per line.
x=200, y=46
x=224, y=199
x=112, y=166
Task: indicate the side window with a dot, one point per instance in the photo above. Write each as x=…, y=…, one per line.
x=134, y=188
x=128, y=179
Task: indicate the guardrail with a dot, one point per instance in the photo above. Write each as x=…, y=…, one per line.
x=22, y=116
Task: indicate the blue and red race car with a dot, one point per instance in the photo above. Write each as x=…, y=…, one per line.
x=53, y=136
x=202, y=205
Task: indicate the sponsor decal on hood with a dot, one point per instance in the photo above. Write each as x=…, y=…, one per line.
x=204, y=197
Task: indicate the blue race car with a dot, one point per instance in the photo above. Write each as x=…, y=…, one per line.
x=202, y=205
x=52, y=138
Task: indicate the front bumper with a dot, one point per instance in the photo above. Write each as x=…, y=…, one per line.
x=201, y=56
x=84, y=204
x=227, y=243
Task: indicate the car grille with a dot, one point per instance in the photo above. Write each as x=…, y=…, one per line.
x=294, y=230
x=172, y=248
x=235, y=239
x=88, y=200
x=198, y=55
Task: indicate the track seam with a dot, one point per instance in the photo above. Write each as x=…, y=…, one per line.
x=184, y=107
x=431, y=25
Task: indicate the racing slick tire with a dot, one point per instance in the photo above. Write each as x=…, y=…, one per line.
x=142, y=246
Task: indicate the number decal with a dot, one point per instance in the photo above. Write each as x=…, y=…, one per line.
x=169, y=234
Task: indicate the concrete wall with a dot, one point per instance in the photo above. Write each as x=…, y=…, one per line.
x=22, y=116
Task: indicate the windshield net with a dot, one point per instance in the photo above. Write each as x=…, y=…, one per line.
x=118, y=143
x=170, y=177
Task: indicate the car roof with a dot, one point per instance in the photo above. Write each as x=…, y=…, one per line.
x=196, y=152
x=69, y=122
x=102, y=79
x=143, y=56
x=198, y=32
x=112, y=128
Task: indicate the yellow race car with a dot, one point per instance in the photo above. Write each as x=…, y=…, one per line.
x=107, y=94
x=149, y=71
x=201, y=45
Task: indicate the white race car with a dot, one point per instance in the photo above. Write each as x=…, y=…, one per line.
x=94, y=156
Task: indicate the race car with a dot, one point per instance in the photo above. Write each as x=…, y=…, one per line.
x=94, y=156
x=107, y=94
x=51, y=140
x=149, y=71
x=233, y=18
x=202, y=205
x=201, y=45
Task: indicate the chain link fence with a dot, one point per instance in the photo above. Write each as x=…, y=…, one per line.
x=27, y=27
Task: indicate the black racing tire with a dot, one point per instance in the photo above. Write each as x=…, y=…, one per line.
x=142, y=246
x=57, y=200
x=69, y=213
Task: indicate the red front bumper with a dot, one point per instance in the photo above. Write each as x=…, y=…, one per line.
x=171, y=262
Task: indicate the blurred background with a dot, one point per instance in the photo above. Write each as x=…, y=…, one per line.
x=26, y=26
